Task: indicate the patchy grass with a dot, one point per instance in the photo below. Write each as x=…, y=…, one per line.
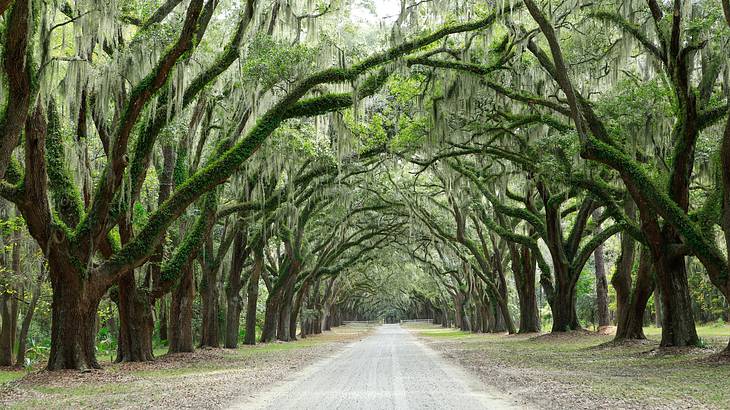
x=8, y=375
x=442, y=333
x=576, y=370
x=206, y=378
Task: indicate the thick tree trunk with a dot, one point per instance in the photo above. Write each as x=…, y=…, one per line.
x=601, y=285
x=268, y=333
x=461, y=319
x=285, y=310
x=563, y=307
x=631, y=317
x=73, y=321
x=135, y=322
x=529, y=314
x=209, y=298
x=489, y=319
x=622, y=280
x=181, y=313
x=296, y=311
x=6, y=340
x=523, y=265
x=678, y=326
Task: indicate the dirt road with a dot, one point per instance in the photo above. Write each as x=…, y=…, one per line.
x=390, y=369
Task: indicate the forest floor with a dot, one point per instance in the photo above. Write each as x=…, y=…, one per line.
x=206, y=378
x=581, y=370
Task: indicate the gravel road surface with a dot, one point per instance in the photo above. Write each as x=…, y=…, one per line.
x=390, y=369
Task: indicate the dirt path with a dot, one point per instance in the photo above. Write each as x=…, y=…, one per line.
x=390, y=369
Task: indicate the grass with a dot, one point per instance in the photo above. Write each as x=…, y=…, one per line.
x=10, y=375
x=627, y=374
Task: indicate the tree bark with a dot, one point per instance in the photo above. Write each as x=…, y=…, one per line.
x=73, y=320
x=233, y=290
x=181, y=313
x=524, y=268
x=678, y=325
x=657, y=308
x=136, y=325
x=253, y=295
x=6, y=341
x=285, y=311
x=631, y=318
x=25, y=325
x=563, y=307
x=296, y=311
x=271, y=315
x=209, y=298
x=164, y=309
x=601, y=283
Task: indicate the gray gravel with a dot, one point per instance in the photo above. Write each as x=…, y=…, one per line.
x=390, y=369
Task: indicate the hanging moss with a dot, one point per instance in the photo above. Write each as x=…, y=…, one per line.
x=65, y=195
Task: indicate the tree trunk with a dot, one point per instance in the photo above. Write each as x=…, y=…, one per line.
x=657, y=307
x=73, y=321
x=285, y=310
x=268, y=333
x=563, y=307
x=601, y=284
x=631, y=319
x=678, y=326
x=253, y=297
x=181, y=313
x=296, y=311
x=233, y=291
x=6, y=341
x=622, y=280
x=461, y=318
x=135, y=322
x=163, y=318
x=25, y=325
x=9, y=306
x=209, y=297
x=524, y=267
